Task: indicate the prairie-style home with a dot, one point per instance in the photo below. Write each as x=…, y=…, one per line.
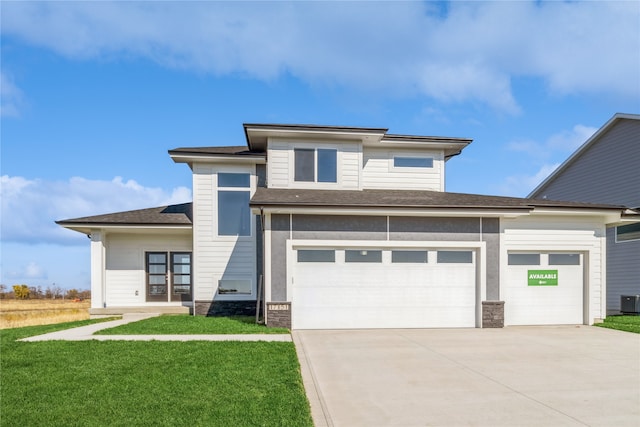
x=330, y=227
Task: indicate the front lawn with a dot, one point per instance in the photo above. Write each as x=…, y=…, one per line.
x=622, y=323
x=193, y=325
x=124, y=383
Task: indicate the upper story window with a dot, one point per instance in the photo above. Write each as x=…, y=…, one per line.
x=316, y=165
x=412, y=162
x=234, y=216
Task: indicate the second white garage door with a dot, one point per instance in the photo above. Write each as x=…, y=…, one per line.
x=383, y=288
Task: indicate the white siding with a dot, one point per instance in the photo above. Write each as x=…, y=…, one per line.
x=218, y=257
x=280, y=167
x=572, y=234
x=125, y=264
x=378, y=171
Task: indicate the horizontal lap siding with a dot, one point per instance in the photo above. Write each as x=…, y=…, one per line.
x=607, y=172
x=215, y=257
x=560, y=234
x=623, y=270
x=377, y=172
x=125, y=264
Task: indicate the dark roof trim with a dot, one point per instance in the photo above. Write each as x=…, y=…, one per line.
x=442, y=139
x=271, y=126
x=399, y=199
x=223, y=151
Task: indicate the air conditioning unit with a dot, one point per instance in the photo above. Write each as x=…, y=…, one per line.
x=630, y=304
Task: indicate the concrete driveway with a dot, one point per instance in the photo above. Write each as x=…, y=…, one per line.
x=517, y=376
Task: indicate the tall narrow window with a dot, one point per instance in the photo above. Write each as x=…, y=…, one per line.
x=181, y=276
x=234, y=216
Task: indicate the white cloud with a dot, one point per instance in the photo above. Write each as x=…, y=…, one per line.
x=30, y=207
x=470, y=53
x=560, y=143
x=11, y=98
x=522, y=184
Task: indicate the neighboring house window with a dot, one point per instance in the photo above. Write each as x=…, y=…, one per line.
x=315, y=165
x=626, y=233
x=234, y=287
x=234, y=216
x=412, y=162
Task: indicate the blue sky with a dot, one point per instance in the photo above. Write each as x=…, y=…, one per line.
x=94, y=94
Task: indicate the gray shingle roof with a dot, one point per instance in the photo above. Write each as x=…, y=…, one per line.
x=402, y=199
x=164, y=215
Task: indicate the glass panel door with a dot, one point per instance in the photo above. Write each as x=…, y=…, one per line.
x=157, y=276
x=181, y=276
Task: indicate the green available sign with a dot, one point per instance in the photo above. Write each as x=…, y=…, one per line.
x=543, y=277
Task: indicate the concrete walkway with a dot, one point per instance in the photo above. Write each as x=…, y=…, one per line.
x=85, y=333
x=516, y=376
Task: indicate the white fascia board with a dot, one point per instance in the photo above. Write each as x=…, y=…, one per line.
x=608, y=216
x=212, y=158
x=87, y=229
x=462, y=212
x=303, y=243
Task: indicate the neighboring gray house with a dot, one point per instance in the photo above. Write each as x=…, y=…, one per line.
x=606, y=169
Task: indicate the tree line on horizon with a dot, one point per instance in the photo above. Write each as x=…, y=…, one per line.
x=23, y=292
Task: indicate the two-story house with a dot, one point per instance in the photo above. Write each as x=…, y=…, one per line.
x=347, y=227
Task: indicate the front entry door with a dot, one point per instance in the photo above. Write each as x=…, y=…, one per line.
x=168, y=276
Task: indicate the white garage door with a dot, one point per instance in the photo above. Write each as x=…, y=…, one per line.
x=383, y=288
x=544, y=289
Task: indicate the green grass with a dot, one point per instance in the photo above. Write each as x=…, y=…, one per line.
x=622, y=323
x=124, y=383
x=190, y=325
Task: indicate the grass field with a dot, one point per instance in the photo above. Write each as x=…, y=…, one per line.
x=120, y=383
x=19, y=313
x=622, y=323
x=188, y=325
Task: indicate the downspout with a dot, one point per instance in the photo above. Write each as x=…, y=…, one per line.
x=261, y=282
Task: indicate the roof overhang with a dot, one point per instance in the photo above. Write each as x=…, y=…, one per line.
x=258, y=134
x=191, y=158
x=88, y=228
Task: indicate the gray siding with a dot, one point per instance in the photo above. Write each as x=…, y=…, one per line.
x=607, y=172
x=623, y=270
x=339, y=227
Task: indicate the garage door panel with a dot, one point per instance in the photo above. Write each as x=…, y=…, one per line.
x=383, y=295
x=560, y=303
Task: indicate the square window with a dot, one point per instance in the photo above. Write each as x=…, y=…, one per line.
x=234, y=217
x=362, y=255
x=523, y=259
x=234, y=180
x=311, y=165
x=409, y=257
